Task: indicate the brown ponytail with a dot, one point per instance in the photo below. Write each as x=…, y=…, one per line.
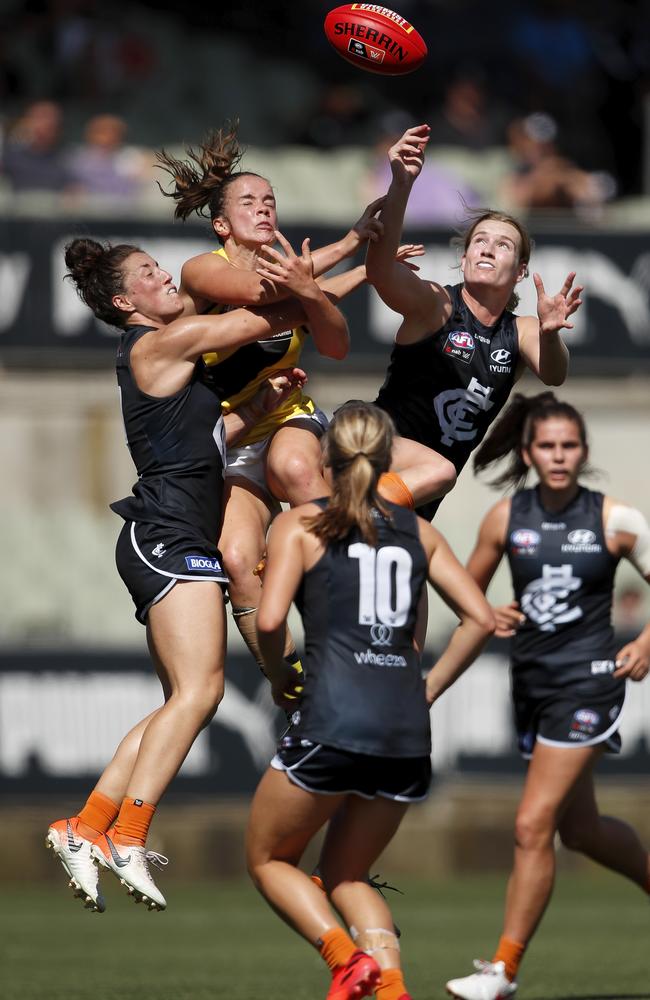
x=358, y=449
x=514, y=432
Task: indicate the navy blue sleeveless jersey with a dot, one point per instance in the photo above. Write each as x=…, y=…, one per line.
x=563, y=578
x=364, y=691
x=177, y=444
x=445, y=391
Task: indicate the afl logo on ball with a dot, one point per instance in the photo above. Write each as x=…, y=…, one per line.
x=524, y=541
x=460, y=345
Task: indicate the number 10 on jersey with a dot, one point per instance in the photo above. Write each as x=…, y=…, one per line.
x=384, y=584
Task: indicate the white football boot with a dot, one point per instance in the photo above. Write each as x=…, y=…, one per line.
x=73, y=851
x=489, y=982
x=131, y=865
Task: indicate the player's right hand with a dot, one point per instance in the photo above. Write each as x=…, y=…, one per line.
x=508, y=618
x=406, y=156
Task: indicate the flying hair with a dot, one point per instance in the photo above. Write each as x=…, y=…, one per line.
x=202, y=178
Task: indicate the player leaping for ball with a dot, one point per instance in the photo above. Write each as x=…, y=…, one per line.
x=460, y=348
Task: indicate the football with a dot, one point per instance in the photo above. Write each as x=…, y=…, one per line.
x=375, y=38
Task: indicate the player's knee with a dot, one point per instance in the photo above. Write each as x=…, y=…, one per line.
x=203, y=699
x=238, y=560
x=533, y=829
x=294, y=475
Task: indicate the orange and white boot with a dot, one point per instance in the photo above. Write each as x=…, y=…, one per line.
x=73, y=851
x=130, y=863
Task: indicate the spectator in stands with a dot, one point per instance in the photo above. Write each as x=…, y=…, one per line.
x=341, y=117
x=33, y=158
x=542, y=178
x=468, y=117
x=104, y=165
x=629, y=610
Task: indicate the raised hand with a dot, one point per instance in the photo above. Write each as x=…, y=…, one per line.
x=366, y=228
x=554, y=311
x=408, y=250
x=286, y=268
x=406, y=156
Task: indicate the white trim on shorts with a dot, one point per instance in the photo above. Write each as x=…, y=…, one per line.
x=601, y=738
x=278, y=765
x=174, y=576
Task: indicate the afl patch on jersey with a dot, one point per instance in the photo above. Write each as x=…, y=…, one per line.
x=460, y=344
x=524, y=541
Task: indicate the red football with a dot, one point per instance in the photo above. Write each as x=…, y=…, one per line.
x=375, y=38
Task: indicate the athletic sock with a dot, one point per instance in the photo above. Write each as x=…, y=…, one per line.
x=392, y=487
x=392, y=985
x=97, y=815
x=133, y=822
x=336, y=947
x=510, y=953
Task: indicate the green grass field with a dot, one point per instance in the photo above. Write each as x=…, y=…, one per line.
x=221, y=941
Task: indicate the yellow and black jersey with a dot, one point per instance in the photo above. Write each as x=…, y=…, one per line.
x=236, y=373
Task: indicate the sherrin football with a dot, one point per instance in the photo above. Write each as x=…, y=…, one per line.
x=375, y=38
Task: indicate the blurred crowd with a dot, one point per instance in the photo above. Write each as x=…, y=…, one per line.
x=559, y=87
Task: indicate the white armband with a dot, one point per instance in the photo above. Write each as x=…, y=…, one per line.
x=632, y=521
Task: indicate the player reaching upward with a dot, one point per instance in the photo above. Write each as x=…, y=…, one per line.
x=166, y=552
x=280, y=458
x=460, y=348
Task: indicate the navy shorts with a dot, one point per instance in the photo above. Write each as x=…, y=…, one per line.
x=151, y=559
x=330, y=771
x=575, y=716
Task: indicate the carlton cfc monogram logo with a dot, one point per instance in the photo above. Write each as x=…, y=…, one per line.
x=457, y=410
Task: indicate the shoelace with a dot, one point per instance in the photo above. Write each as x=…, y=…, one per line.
x=373, y=880
x=157, y=860
x=483, y=966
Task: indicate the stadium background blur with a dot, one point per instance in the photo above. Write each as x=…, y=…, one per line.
x=513, y=91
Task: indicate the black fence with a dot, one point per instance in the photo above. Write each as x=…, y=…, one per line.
x=63, y=713
x=42, y=322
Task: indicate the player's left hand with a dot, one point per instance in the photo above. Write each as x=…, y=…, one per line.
x=553, y=311
x=277, y=387
x=632, y=661
x=366, y=229
x=284, y=267
x=408, y=250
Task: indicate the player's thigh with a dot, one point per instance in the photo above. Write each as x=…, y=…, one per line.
x=284, y=818
x=552, y=776
x=187, y=635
